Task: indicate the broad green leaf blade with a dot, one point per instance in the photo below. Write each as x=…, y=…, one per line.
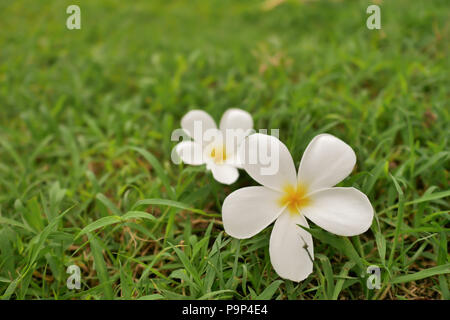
x=343, y=244
x=168, y=203
x=102, y=222
x=268, y=292
x=340, y=283
x=328, y=271
x=152, y=297
x=138, y=215
x=443, y=269
x=100, y=267
x=103, y=199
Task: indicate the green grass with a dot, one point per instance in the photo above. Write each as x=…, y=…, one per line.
x=85, y=124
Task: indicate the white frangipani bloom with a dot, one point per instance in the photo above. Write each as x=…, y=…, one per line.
x=215, y=147
x=288, y=198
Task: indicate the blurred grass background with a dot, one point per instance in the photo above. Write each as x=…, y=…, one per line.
x=85, y=123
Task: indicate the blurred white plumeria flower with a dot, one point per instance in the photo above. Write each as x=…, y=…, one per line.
x=217, y=148
x=288, y=198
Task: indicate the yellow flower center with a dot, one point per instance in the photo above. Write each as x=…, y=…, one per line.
x=218, y=154
x=294, y=198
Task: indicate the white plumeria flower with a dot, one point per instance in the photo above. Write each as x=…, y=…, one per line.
x=217, y=148
x=287, y=198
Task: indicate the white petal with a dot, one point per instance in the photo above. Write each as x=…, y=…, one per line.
x=234, y=161
x=247, y=211
x=224, y=173
x=196, y=123
x=190, y=152
x=235, y=125
x=267, y=160
x=288, y=243
x=236, y=119
x=327, y=161
x=342, y=211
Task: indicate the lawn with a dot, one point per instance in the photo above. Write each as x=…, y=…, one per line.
x=86, y=117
